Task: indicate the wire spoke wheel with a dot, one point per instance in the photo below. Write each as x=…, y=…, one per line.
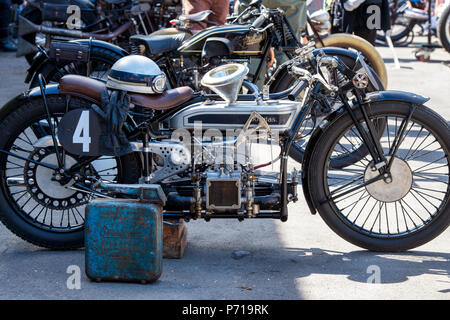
x=100, y=61
x=39, y=194
x=94, y=69
x=39, y=202
x=407, y=201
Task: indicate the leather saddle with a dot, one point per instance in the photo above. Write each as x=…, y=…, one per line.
x=92, y=89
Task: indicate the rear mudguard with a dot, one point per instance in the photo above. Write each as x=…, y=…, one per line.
x=41, y=59
x=372, y=98
x=17, y=101
x=35, y=93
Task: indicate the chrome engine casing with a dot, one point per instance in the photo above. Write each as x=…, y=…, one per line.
x=174, y=158
x=279, y=114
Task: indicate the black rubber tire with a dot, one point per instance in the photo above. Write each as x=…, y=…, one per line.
x=286, y=80
x=317, y=180
x=50, y=70
x=400, y=35
x=443, y=20
x=10, y=126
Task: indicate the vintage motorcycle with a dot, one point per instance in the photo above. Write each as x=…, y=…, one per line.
x=185, y=57
x=108, y=20
x=393, y=196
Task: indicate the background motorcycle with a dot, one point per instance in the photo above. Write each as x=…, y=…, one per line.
x=318, y=29
x=180, y=54
x=107, y=20
x=405, y=15
x=369, y=202
x=184, y=64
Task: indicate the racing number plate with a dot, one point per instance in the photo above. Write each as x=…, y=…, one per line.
x=79, y=132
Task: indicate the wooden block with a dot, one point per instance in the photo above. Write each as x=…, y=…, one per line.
x=174, y=238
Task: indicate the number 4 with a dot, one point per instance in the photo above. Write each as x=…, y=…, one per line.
x=81, y=134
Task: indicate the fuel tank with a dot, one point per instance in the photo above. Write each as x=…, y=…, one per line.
x=279, y=114
x=244, y=42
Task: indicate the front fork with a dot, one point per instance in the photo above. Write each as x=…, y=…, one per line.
x=370, y=138
x=304, y=111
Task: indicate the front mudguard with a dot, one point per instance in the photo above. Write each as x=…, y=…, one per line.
x=372, y=98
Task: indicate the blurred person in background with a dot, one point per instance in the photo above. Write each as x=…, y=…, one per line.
x=6, y=43
x=219, y=10
x=295, y=11
x=360, y=17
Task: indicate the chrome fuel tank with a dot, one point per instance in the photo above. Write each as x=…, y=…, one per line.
x=279, y=114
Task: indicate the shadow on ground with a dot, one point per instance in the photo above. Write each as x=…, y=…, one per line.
x=209, y=272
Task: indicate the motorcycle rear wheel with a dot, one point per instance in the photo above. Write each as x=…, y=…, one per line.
x=32, y=203
x=101, y=60
x=397, y=214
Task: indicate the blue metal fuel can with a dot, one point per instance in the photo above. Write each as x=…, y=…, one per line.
x=124, y=239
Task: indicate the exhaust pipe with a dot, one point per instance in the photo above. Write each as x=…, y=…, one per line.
x=27, y=27
x=176, y=201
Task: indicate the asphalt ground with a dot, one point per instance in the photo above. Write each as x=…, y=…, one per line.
x=299, y=259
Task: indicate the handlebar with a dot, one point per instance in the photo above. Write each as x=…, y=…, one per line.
x=298, y=88
x=258, y=21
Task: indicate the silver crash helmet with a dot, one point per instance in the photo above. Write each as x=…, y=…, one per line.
x=136, y=73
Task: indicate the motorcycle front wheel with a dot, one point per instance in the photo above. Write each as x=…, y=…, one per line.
x=401, y=28
x=401, y=211
x=35, y=203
